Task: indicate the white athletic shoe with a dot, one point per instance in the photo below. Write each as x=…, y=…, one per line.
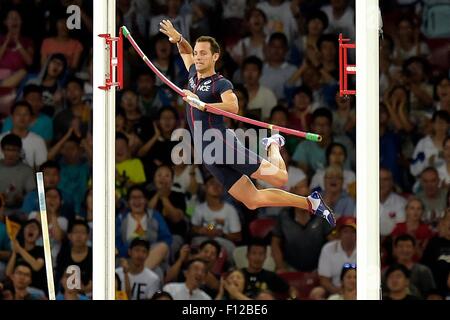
x=276, y=138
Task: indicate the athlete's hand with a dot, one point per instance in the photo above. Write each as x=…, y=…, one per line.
x=199, y=105
x=167, y=28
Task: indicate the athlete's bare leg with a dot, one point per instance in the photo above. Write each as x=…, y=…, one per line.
x=245, y=191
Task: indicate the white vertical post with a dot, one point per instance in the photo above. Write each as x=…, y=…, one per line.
x=367, y=150
x=104, y=157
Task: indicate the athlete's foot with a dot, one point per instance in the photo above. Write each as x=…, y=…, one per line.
x=276, y=138
x=320, y=209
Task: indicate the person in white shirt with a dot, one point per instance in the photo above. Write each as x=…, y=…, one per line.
x=341, y=18
x=279, y=17
x=276, y=71
x=392, y=205
x=189, y=290
x=216, y=219
x=336, y=253
x=252, y=45
x=428, y=151
x=260, y=97
x=33, y=145
x=138, y=281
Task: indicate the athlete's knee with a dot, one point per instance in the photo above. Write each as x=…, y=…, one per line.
x=280, y=179
x=252, y=201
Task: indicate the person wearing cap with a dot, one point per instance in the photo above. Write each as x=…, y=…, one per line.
x=336, y=253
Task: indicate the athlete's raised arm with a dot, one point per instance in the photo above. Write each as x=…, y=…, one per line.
x=183, y=45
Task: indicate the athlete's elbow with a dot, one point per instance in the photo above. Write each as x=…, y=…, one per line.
x=235, y=109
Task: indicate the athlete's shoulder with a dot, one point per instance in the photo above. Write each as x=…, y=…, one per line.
x=223, y=84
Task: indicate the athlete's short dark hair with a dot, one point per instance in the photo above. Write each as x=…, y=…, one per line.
x=215, y=48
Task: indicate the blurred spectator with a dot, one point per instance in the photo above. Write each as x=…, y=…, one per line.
x=16, y=178
x=414, y=226
x=78, y=114
x=5, y=249
x=253, y=44
x=51, y=176
x=260, y=97
x=21, y=279
x=414, y=77
x=344, y=117
x=420, y=277
x=171, y=204
x=407, y=40
x=77, y=253
x=151, y=97
x=336, y=253
x=144, y=223
x=317, y=293
x=392, y=205
x=33, y=146
x=16, y=55
x=143, y=282
x=397, y=281
x=50, y=79
x=40, y=124
x=328, y=53
x=390, y=145
x=129, y=170
x=75, y=170
x=341, y=18
x=57, y=223
x=166, y=62
x=336, y=154
x=172, y=12
x=276, y=71
x=216, y=219
x=232, y=286
x=442, y=93
x=297, y=238
x=26, y=251
x=157, y=148
x=436, y=254
x=257, y=278
x=432, y=196
x=63, y=43
x=311, y=156
x=194, y=273
x=348, y=280
x=335, y=195
x=280, y=17
x=187, y=178
x=300, y=114
x=444, y=168
x=305, y=46
x=134, y=142
x=209, y=252
x=428, y=151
